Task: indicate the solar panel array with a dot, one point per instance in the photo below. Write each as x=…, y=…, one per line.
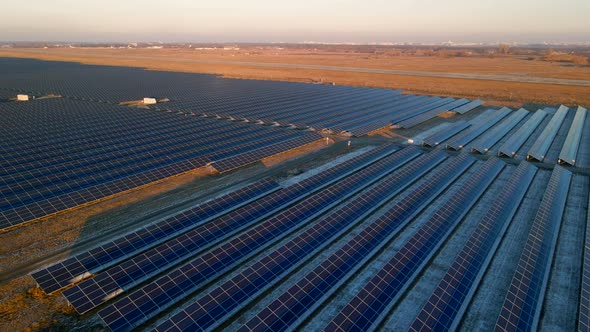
x=449, y=300
x=77, y=152
x=369, y=306
x=344, y=246
x=522, y=303
x=572, y=142
x=177, y=284
x=265, y=272
x=515, y=142
x=468, y=107
x=478, y=127
x=539, y=150
x=337, y=108
x=494, y=135
x=584, y=308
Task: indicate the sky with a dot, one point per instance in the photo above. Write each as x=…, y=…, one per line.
x=422, y=21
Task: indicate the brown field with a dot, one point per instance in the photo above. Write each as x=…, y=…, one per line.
x=494, y=92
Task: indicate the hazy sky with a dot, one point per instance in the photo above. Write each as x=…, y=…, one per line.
x=296, y=20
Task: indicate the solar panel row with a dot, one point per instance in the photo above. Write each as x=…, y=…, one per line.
x=423, y=117
x=448, y=302
x=570, y=147
x=110, y=283
x=372, y=302
x=119, y=150
x=468, y=107
x=584, y=308
x=539, y=149
x=179, y=283
x=483, y=123
x=433, y=102
x=78, y=267
x=522, y=303
x=228, y=164
x=515, y=142
x=308, y=293
x=493, y=136
x=268, y=270
x=437, y=138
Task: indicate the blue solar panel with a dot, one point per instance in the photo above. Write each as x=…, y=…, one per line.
x=265, y=271
x=539, y=149
x=448, y=132
x=478, y=127
x=93, y=292
x=572, y=142
x=522, y=303
x=423, y=117
x=371, y=303
x=584, y=309
x=76, y=268
x=184, y=280
x=493, y=136
x=444, y=308
x=468, y=107
x=305, y=295
x=515, y=142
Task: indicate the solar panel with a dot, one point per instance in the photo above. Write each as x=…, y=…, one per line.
x=485, y=123
x=412, y=112
x=423, y=117
x=515, y=142
x=523, y=301
x=468, y=107
x=572, y=141
x=140, y=305
x=48, y=173
x=419, y=139
x=372, y=302
x=267, y=270
x=584, y=309
x=449, y=300
x=539, y=149
x=228, y=164
x=316, y=285
x=93, y=292
x=435, y=139
x=493, y=136
x=77, y=268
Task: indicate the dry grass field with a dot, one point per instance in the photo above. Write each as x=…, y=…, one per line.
x=245, y=62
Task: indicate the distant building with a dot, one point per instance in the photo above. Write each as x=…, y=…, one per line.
x=22, y=97
x=149, y=101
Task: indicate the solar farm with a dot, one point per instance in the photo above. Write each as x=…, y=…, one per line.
x=386, y=210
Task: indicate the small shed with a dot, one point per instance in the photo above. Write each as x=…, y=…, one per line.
x=149, y=101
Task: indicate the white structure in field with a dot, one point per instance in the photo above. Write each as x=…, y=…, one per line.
x=22, y=97
x=149, y=101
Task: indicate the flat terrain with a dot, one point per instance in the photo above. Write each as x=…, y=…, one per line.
x=506, y=80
